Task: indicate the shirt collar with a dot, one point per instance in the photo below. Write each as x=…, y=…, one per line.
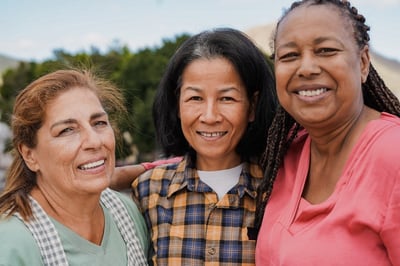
x=186, y=177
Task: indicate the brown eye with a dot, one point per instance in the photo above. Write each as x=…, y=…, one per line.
x=327, y=51
x=288, y=56
x=195, y=98
x=227, y=99
x=65, y=131
x=101, y=123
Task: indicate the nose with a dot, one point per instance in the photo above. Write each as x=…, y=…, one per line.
x=309, y=66
x=91, y=139
x=210, y=112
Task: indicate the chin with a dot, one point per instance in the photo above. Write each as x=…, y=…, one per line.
x=94, y=186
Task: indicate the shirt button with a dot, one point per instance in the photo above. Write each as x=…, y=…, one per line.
x=211, y=251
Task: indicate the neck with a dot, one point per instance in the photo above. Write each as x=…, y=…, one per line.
x=329, y=154
x=83, y=215
x=332, y=142
x=215, y=164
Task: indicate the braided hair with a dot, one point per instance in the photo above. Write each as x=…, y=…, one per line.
x=284, y=128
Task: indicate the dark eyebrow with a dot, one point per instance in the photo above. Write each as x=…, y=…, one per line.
x=227, y=89
x=62, y=122
x=323, y=39
x=72, y=121
x=286, y=45
x=191, y=88
x=97, y=115
x=316, y=41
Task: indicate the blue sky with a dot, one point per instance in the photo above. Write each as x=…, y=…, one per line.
x=31, y=30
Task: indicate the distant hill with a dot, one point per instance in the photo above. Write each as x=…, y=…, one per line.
x=7, y=62
x=389, y=69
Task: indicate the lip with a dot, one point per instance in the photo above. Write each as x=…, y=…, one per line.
x=312, y=93
x=211, y=135
x=93, y=161
x=310, y=87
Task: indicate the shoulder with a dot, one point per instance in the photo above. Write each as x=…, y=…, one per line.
x=300, y=138
x=14, y=230
x=255, y=170
x=129, y=204
x=160, y=172
x=376, y=154
x=137, y=217
x=382, y=136
x=296, y=147
x=17, y=243
x=158, y=178
x=255, y=173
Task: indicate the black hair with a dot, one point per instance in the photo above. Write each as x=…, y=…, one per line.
x=251, y=65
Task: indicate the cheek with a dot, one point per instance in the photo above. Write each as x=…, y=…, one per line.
x=281, y=78
x=185, y=126
x=281, y=83
x=109, y=140
x=240, y=118
x=186, y=117
x=55, y=152
x=52, y=162
x=280, y=92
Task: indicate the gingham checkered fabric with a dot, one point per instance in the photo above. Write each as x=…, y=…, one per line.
x=49, y=242
x=125, y=226
x=46, y=236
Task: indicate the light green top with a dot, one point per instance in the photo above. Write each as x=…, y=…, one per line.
x=18, y=247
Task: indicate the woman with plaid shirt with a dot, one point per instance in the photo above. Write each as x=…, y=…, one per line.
x=213, y=106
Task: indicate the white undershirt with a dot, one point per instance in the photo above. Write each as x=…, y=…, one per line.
x=221, y=181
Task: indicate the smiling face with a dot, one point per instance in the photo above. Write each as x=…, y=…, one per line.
x=75, y=145
x=214, y=112
x=319, y=68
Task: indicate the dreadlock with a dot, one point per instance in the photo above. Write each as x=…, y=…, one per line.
x=284, y=128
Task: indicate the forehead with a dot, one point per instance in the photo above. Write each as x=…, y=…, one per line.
x=325, y=18
x=218, y=68
x=76, y=100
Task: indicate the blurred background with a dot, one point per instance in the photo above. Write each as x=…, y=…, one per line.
x=130, y=42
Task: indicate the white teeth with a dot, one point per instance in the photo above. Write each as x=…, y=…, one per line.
x=212, y=134
x=310, y=93
x=91, y=165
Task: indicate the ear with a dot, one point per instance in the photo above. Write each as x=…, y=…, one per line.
x=253, y=104
x=364, y=63
x=29, y=157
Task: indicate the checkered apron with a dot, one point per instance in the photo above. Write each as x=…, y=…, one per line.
x=49, y=242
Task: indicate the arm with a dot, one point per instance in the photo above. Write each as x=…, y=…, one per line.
x=391, y=226
x=124, y=175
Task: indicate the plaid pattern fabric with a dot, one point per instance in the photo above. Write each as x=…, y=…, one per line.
x=189, y=225
x=45, y=235
x=125, y=226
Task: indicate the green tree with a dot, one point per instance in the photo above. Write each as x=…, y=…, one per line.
x=137, y=74
x=139, y=79
x=14, y=80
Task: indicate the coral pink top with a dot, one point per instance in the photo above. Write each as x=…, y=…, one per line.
x=359, y=224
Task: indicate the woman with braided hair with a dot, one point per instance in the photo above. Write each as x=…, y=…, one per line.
x=332, y=176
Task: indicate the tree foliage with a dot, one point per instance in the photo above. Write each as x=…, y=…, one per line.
x=136, y=74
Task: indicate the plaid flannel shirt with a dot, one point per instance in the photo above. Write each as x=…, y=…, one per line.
x=189, y=226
